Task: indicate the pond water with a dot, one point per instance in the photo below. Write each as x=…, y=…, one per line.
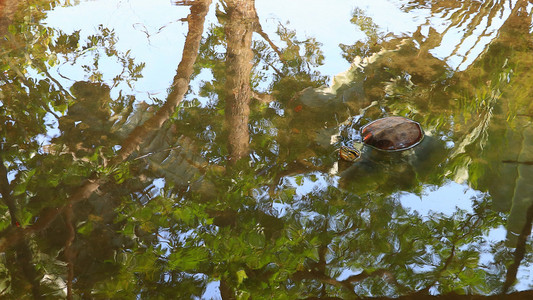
x=189, y=149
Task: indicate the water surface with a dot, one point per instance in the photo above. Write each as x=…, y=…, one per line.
x=189, y=149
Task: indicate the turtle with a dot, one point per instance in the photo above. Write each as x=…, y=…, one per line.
x=349, y=153
x=386, y=134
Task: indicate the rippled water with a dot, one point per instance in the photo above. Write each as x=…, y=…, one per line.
x=190, y=149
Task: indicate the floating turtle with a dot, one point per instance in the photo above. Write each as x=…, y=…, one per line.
x=387, y=134
x=392, y=134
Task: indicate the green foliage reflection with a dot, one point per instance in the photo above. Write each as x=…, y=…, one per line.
x=170, y=207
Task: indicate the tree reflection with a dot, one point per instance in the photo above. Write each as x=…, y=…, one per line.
x=241, y=17
x=137, y=201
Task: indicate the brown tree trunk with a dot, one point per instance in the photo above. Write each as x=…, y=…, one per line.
x=241, y=19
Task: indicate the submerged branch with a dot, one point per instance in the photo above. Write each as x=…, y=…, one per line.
x=517, y=162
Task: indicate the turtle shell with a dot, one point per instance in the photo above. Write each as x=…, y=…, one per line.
x=392, y=134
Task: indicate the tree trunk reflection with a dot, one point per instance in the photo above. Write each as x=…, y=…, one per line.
x=241, y=18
